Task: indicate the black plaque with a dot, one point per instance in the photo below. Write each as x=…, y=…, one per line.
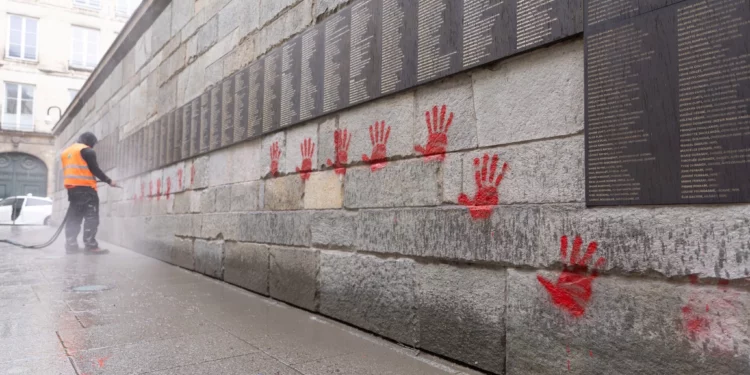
x=216, y=125
x=398, y=45
x=187, y=115
x=151, y=143
x=336, y=31
x=227, y=111
x=668, y=104
x=439, y=37
x=255, y=103
x=272, y=91
x=311, y=74
x=291, y=65
x=240, y=105
x=164, y=142
x=364, y=51
x=489, y=28
x=158, y=147
x=177, y=137
x=195, y=127
x=205, y=122
x=170, y=137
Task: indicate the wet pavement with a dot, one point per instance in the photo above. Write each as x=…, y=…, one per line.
x=125, y=313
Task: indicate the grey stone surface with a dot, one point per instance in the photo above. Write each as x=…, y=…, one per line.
x=284, y=193
x=461, y=314
x=207, y=35
x=278, y=138
x=167, y=97
x=630, y=326
x=376, y=294
x=243, y=54
x=247, y=265
x=291, y=22
x=324, y=190
x=531, y=96
x=326, y=149
x=401, y=183
x=182, y=253
x=453, y=176
x=456, y=95
x=224, y=225
x=398, y=114
x=280, y=228
x=182, y=11
x=270, y=9
x=173, y=65
x=335, y=228
x=246, y=196
x=294, y=139
x=246, y=162
x=550, y=171
x=323, y=6
x=191, y=80
x=208, y=200
x=239, y=12
x=200, y=178
x=209, y=258
x=162, y=29
x=293, y=276
x=143, y=51
x=223, y=198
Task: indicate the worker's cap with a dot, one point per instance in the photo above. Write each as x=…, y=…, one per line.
x=88, y=138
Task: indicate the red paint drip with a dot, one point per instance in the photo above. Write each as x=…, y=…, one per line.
x=572, y=291
x=158, y=189
x=693, y=279
x=275, y=155
x=169, y=186
x=192, y=175
x=307, y=149
x=379, y=135
x=179, y=178
x=437, y=133
x=487, y=180
x=341, y=141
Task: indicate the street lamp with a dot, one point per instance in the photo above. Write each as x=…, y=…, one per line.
x=48, y=118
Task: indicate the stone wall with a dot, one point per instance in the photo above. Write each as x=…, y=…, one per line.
x=530, y=282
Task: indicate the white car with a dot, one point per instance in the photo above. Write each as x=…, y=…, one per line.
x=26, y=210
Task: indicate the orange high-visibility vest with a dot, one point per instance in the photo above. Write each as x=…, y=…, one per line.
x=75, y=170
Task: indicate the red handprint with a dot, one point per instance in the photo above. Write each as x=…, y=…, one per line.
x=379, y=138
x=573, y=289
x=307, y=148
x=341, y=140
x=275, y=155
x=179, y=178
x=486, y=197
x=712, y=320
x=169, y=187
x=437, y=130
x=192, y=174
x=158, y=189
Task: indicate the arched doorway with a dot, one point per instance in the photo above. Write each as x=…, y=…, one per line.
x=22, y=174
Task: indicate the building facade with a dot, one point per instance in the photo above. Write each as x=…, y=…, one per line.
x=418, y=169
x=49, y=49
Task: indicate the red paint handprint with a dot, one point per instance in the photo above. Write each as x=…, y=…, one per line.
x=486, y=197
x=179, y=178
x=341, y=139
x=169, y=187
x=379, y=138
x=158, y=189
x=307, y=148
x=437, y=134
x=192, y=174
x=712, y=320
x=572, y=291
x=275, y=155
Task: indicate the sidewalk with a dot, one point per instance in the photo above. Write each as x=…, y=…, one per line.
x=125, y=313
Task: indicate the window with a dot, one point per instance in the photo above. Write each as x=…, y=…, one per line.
x=124, y=8
x=37, y=202
x=89, y=4
x=22, y=38
x=8, y=201
x=85, y=48
x=18, y=113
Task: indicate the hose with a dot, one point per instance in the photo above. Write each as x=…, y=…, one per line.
x=46, y=244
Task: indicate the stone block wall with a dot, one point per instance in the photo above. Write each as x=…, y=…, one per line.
x=413, y=247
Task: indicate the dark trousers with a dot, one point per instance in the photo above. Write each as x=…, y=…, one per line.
x=84, y=207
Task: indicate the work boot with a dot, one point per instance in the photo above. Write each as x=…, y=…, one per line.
x=72, y=249
x=96, y=251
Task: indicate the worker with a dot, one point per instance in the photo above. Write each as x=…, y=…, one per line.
x=79, y=171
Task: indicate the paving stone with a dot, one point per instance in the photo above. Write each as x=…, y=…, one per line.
x=246, y=196
x=293, y=276
x=324, y=190
x=402, y=183
x=209, y=258
x=461, y=314
x=294, y=139
x=456, y=95
x=280, y=228
x=182, y=253
x=633, y=326
x=247, y=265
x=284, y=193
x=376, y=294
x=336, y=228
x=397, y=112
x=549, y=171
x=532, y=96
